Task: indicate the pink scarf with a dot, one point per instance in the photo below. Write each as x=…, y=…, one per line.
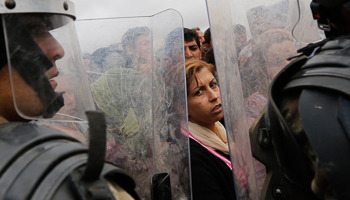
x=238, y=172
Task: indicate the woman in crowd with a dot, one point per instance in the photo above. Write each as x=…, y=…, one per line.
x=210, y=161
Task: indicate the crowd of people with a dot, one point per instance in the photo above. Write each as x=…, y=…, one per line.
x=122, y=74
x=163, y=107
x=121, y=77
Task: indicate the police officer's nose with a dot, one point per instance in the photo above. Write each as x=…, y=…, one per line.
x=53, y=50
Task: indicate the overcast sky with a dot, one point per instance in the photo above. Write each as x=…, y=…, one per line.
x=194, y=12
x=96, y=34
x=93, y=35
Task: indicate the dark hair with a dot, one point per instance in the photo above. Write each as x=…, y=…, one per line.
x=86, y=56
x=209, y=57
x=174, y=42
x=130, y=37
x=239, y=29
x=191, y=35
x=99, y=55
x=207, y=36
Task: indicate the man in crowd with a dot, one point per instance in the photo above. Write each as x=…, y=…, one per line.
x=240, y=37
x=200, y=34
x=192, y=44
x=208, y=44
x=136, y=43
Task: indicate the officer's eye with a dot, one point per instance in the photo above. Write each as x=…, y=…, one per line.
x=37, y=29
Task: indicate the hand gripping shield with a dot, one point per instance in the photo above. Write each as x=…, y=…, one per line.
x=129, y=63
x=44, y=60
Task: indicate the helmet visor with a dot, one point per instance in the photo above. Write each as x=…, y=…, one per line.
x=46, y=67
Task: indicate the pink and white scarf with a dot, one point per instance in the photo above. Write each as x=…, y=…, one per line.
x=213, y=137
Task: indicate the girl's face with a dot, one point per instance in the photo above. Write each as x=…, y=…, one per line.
x=204, y=101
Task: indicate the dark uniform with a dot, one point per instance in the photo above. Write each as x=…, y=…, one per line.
x=303, y=134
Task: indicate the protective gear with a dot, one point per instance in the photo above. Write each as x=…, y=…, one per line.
x=137, y=93
x=328, y=3
x=42, y=163
x=302, y=24
x=306, y=124
x=37, y=162
x=330, y=15
x=270, y=29
x=41, y=45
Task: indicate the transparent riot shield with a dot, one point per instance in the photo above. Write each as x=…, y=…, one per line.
x=231, y=96
x=251, y=41
x=130, y=62
x=47, y=73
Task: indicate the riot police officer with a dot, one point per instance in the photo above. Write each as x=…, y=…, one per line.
x=38, y=42
x=303, y=134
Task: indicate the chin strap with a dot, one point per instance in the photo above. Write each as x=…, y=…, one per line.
x=89, y=183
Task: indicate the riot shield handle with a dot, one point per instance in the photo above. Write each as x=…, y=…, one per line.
x=160, y=186
x=91, y=186
x=97, y=145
